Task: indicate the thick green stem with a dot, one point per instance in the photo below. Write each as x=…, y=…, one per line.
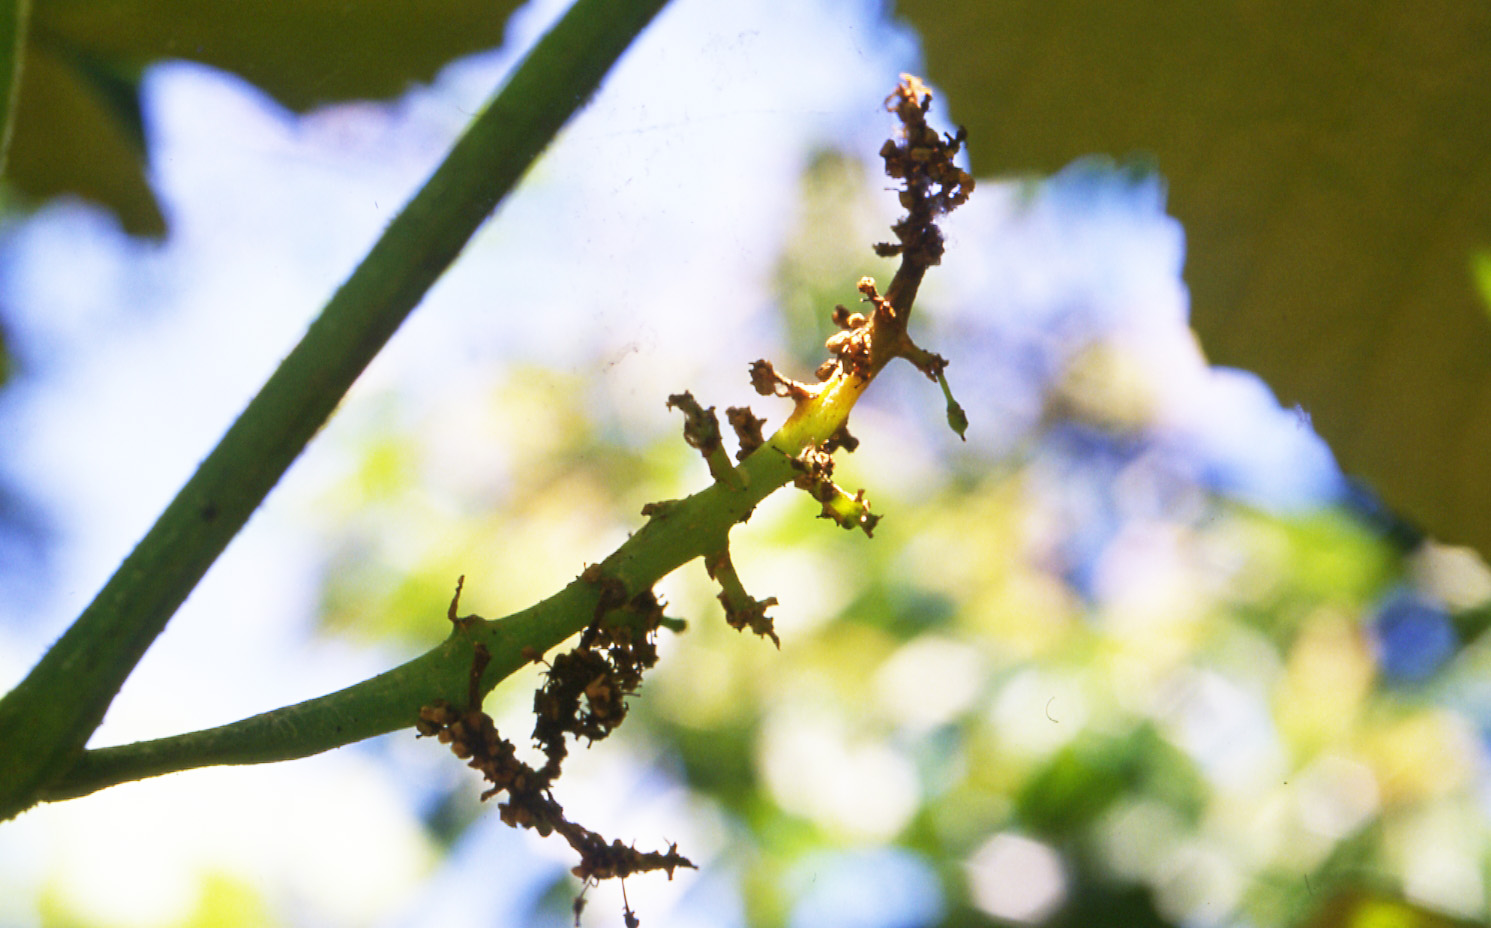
x=14, y=18
x=385, y=703
x=46, y=720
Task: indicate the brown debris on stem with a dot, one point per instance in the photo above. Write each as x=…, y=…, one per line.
x=766, y=381
x=932, y=184
x=747, y=428
x=584, y=696
x=841, y=439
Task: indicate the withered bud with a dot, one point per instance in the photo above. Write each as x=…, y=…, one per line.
x=747, y=428
x=764, y=378
x=701, y=427
x=841, y=439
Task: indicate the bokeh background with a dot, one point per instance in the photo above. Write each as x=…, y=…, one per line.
x=1135, y=654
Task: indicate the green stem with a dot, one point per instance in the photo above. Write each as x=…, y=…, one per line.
x=686, y=529
x=46, y=720
x=15, y=16
x=385, y=703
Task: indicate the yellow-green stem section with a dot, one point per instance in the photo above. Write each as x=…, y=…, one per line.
x=813, y=423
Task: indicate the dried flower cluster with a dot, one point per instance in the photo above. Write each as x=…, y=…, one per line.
x=583, y=696
x=923, y=161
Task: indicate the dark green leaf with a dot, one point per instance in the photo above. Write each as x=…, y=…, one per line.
x=77, y=128
x=1331, y=163
x=72, y=138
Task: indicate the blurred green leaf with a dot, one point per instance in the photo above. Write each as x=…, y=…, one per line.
x=720, y=761
x=78, y=128
x=71, y=137
x=1330, y=164
x=1111, y=906
x=1083, y=779
x=227, y=901
x=1357, y=909
x=1481, y=266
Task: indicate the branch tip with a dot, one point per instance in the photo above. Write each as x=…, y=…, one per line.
x=460, y=622
x=766, y=381
x=815, y=476
x=455, y=601
x=957, y=419
x=701, y=429
x=742, y=610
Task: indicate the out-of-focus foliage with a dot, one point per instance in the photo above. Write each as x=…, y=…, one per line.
x=78, y=126
x=1329, y=163
x=1067, y=683
x=1365, y=910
